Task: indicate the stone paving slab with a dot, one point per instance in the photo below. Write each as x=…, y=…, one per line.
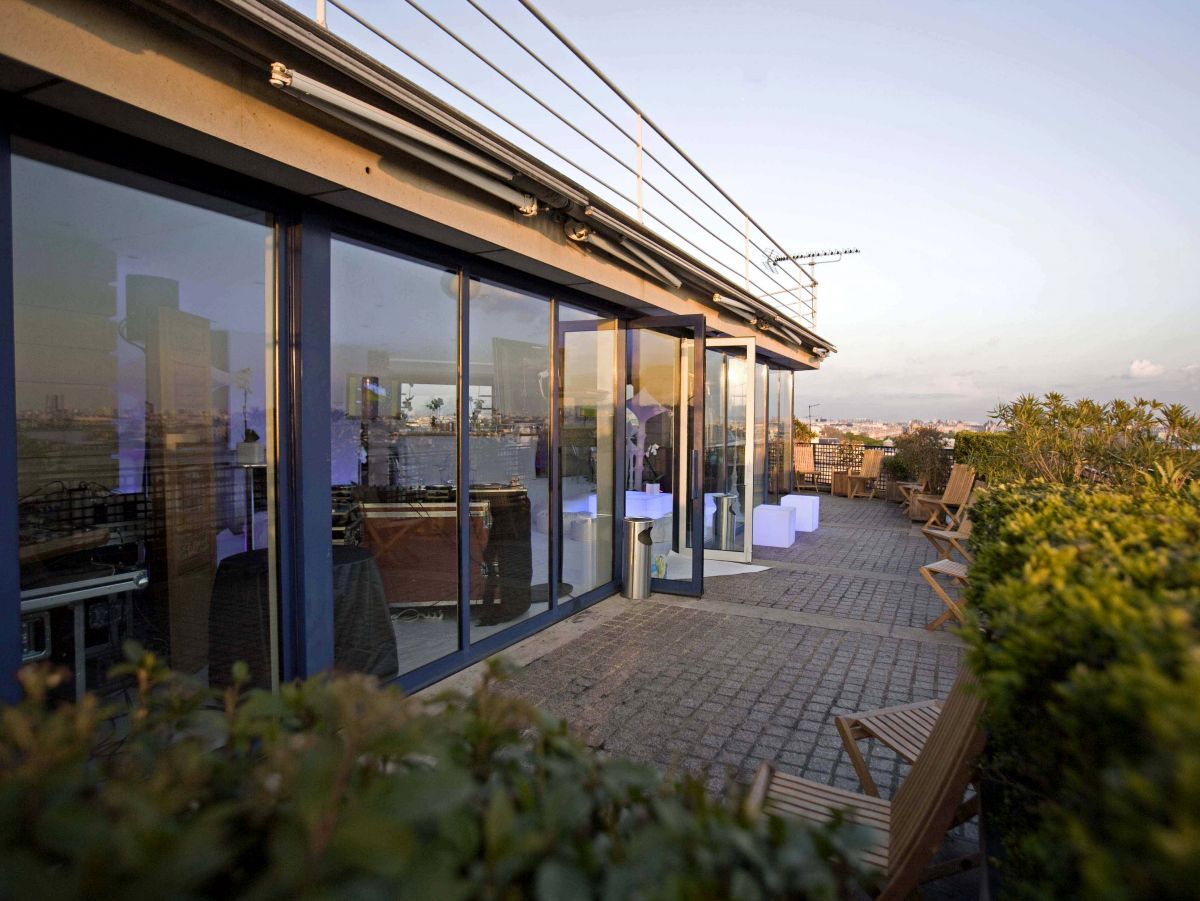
x=758, y=668
x=695, y=689
x=842, y=595
x=861, y=535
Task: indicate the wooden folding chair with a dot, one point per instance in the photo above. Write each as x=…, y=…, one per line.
x=805, y=467
x=867, y=475
x=911, y=826
x=957, y=573
x=946, y=542
x=950, y=504
x=904, y=729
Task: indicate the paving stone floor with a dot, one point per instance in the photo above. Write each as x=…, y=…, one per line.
x=758, y=669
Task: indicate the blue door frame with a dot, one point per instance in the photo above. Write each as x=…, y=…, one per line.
x=10, y=567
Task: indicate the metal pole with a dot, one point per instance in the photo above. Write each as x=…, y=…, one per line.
x=321, y=14
x=746, y=252
x=641, y=219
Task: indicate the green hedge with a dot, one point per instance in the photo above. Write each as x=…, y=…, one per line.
x=987, y=452
x=1087, y=604
x=339, y=789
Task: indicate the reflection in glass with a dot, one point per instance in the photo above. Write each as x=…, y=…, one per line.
x=588, y=346
x=760, y=433
x=394, y=424
x=509, y=453
x=726, y=384
x=779, y=434
x=145, y=425
x=652, y=438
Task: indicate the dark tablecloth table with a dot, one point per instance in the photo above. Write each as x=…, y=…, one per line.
x=239, y=623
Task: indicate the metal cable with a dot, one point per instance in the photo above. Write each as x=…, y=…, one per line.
x=649, y=155
x=607, y=118
x=382, y=35
x=466, y=45
x=598, y=72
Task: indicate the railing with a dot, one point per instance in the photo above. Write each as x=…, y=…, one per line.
x=830, y=458
x=565, y=109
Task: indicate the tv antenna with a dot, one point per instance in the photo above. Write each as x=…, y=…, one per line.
x=774, y=257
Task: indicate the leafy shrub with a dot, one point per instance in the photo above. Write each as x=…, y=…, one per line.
x=1119, y=444
x=336, y=788
x=896, y=469
x=922, y=451
x=1088, y=649
x=987, y=452
x=802, y=432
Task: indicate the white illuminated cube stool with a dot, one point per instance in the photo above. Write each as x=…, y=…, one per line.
x=808, y=510
x=774, y=526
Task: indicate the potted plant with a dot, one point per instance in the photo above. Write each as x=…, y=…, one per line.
x=433, y=406
x=897, y=471
x=923, y=453
x=250, y=450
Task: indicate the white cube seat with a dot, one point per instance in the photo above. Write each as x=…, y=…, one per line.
x=808, y=510
x=774, y=526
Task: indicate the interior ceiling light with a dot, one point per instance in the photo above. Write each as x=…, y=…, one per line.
x=460, y=162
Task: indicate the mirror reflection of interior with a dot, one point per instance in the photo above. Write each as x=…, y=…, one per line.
x=588, y=348
x=726, y=385
x=652, y=400
x=395, y=438
x=145, y=424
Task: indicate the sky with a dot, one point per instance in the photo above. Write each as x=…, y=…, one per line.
x=1023, y=179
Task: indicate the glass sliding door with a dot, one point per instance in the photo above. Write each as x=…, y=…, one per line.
x=145, y=351
x=728, y=457
x=664, y=420
x=761, y=381
x=394, y=460
x=509, y=452
x=587, y=347
x=779, y=434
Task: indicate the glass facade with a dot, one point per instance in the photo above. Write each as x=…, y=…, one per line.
x=587, y=448
x=394, y=456
x=160, y=465
x=761, y=383
x=726, y=444
x=779, y=433
x=144, y=344
x=509, y=452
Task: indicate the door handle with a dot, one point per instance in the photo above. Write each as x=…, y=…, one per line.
x=697, y=481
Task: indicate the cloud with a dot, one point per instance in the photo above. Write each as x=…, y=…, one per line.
x=1144, y=369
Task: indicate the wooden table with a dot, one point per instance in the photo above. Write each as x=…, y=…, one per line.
x=910, y=491
x=841, y=483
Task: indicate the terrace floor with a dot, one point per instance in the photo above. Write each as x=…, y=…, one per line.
x=758, y=668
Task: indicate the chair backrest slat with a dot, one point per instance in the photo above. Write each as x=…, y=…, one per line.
x=803, y=458
x=872, y=463
x=924, y=806
x=959, y=485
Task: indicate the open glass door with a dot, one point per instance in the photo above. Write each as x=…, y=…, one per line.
x=664, y=418
x=587, y=449
x=728, y=457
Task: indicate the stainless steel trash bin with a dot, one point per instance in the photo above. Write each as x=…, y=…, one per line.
x=637, y=553
x=725, y=522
